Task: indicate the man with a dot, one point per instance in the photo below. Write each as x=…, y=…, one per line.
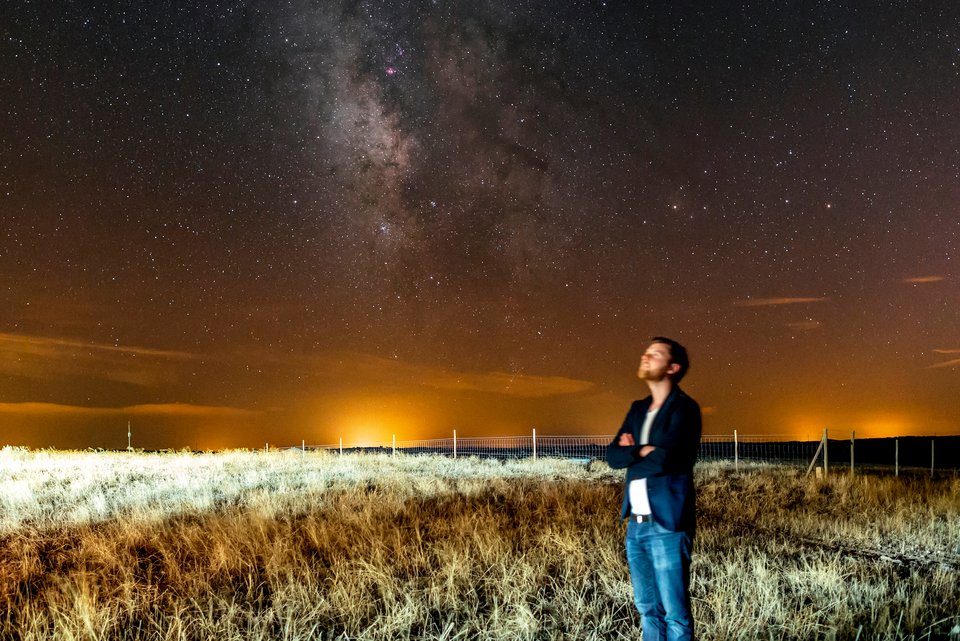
x=658, y=446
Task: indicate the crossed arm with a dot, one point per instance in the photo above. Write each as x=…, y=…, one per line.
x=626, y=440
x=676, y=447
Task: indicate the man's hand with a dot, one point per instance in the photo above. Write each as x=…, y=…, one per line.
x=646, y=449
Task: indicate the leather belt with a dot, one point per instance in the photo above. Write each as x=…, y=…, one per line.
x=641, y=518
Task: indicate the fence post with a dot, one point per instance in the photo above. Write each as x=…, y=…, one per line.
x=931, y=457
x=896, y=457
x=534, y=444
x=454, y=443
x=736, y=452
x=341, y=446
x=826, y=468
x=394, y=445
x=303, y=448
x=853, y=439
x=813, y=461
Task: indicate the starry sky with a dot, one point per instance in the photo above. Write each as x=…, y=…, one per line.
x=233, y=223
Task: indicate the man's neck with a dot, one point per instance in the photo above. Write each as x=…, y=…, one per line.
x=659, y=390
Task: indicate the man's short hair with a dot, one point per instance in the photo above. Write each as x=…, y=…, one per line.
x=678, y=355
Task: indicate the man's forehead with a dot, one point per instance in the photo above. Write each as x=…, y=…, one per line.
x=659, y=347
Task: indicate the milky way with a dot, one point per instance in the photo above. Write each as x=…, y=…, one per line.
x=275, y=221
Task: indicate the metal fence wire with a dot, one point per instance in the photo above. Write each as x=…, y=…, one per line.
x=893, y=453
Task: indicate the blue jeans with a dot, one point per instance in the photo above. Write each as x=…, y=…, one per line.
x=659, y=563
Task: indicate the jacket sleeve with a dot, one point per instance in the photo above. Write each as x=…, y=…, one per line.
x=675, y=448
x=620, y=456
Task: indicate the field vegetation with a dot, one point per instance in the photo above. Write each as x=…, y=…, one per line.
x=248, y=545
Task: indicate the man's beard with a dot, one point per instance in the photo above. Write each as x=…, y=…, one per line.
x=652, y=374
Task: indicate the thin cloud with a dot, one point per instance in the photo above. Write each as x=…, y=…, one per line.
x=43, y=345
x=161, y=409
x=770, y=302
x=505, y=383
x=951, y=363
x=46, y=358
x=523, y=385
x=916, y=280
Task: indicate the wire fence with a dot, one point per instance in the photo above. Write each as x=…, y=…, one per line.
x=892, y=454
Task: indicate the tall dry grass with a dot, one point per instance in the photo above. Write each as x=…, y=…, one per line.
x=317, y=546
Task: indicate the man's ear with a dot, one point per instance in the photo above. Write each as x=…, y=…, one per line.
x=673, y=369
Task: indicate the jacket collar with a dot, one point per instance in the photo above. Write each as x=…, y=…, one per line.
x=667, y=404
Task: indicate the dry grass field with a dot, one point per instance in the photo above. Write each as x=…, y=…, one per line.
x=247, y=545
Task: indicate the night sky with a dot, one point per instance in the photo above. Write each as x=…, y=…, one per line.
x=246, y=222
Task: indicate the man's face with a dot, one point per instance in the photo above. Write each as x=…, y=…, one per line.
x=655, y=363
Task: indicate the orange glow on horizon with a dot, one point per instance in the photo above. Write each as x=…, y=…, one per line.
x=366, y=425
x=806, y=428
x=876, y=425
x=884, y=426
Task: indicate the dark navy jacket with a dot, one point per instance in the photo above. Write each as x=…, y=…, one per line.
x=669, y=468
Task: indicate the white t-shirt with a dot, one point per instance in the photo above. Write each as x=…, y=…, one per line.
x=639, y=500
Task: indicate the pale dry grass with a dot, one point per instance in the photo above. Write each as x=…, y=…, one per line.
x=827, y=558
x=286, y=546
